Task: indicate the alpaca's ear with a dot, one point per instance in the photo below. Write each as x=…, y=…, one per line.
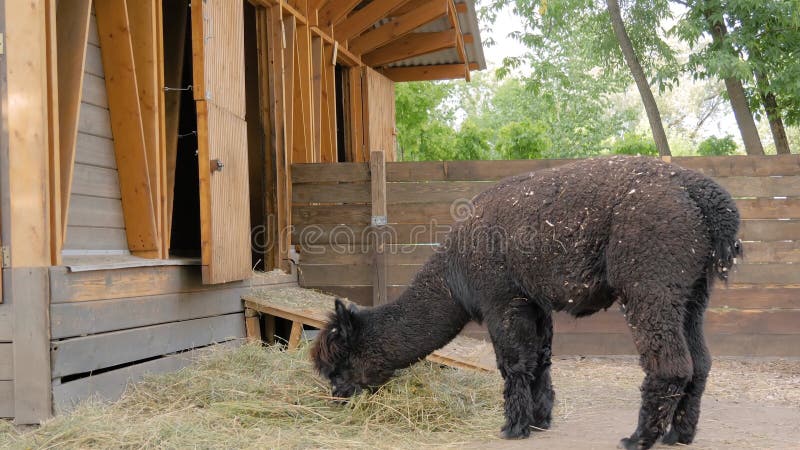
x=344, y=319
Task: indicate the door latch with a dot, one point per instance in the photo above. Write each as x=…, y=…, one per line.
x=217, y=165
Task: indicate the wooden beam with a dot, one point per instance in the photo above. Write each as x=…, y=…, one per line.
x=456, y=24
x=72, y=27
x=461, y=8
x=303, y=122
x=316, y=97
x=289, y=50
x=27, y=195
x=54, y=137
x=126, y=124
x=426, y=73
x=142, y=20
x=377, y=169
x=345, y=56
x=335, y=10
x=415, y=44
x=364, y=18
x=328, y=98
x=424, y=11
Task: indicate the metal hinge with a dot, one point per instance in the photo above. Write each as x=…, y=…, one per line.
x=5, y=255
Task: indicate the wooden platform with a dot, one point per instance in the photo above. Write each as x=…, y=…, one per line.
x=309, y=307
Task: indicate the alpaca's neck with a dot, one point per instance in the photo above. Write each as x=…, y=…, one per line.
x=423, y=319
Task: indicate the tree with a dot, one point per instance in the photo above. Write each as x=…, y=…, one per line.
x=714, y=146
x=423, y=131
x=523, y=140
x=650, y=106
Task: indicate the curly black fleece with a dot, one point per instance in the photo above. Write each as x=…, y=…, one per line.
x=648, y=235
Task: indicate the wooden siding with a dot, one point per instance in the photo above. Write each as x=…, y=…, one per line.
x=95, y=220
x=332, y=211
x=380, y=113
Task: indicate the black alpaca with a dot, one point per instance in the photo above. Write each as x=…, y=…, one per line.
x=646, y=234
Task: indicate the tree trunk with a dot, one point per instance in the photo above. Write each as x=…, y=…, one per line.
x=650, y=106
x=773, y=114
x=741, y=110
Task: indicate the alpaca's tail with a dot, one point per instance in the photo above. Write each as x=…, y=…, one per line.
x=722, y=219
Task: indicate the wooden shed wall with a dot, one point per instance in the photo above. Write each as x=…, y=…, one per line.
x=109, y=327
x=95, y=220
x=6, y=359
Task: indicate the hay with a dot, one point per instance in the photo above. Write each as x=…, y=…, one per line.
x=255, y=397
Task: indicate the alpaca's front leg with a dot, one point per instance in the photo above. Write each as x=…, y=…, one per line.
x=542, y=387
x=517, y=343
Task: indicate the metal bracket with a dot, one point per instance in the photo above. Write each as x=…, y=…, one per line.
x=217, y=165
x=378, y=221
x=5, y=253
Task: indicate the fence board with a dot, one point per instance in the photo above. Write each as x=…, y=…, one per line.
x=766, y=274
x=84, y=318
x=6, y=318
x=769, y=230
x=86, y=354
x=769, y=208
x=324, y=234
x=435, y=191
x=772, y=252
x=331, y=193
x=330, y=173
x=360, y=254
x=315, y=214
x=747, y=166
x=761, y=186
x=346, y=275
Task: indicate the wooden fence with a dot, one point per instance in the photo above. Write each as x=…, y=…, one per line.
x=344, y=246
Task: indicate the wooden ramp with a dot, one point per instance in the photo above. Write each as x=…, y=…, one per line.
x=309, y=307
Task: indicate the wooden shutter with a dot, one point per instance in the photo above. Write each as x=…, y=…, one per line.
x=379, y=113
x=219, y=93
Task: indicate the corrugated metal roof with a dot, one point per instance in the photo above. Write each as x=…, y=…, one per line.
x=468, y=22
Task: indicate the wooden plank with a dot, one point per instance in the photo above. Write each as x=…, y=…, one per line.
x=127, y=126
x=324, y=234
x=7, y=399
x=303, y=103
x=467, y=170
x=353, y=275
x=145, y=42
x=72, y=19
x=95, y=238
x=772, y=252
x=435, y=191
x=31, y=297
x=361, y=20
x=761, y=186
x=332, y=193
x=109, y=386
x=326, y=173
x=755, y=297
x=328, y=153
x=95, y=151
x=310, y=215
x=95, y=121
x=252, y=324
x=86, y=354
x=380, y=113
x=142, y=282
x=766, y=274
x=360, y=254
x=377, y=166
x=356, y=111
x=421, y=13
x=88, y=211
x=85, y=318
x=428, y=73
x=56, y=213
x=769, y=208
x=6, y=314
x=316, y=101
x=295, y=335
x=335, y=10
x=94, y=60
x=96, y=182
x=743, y=166
x=26, y=59
x=415, y=44
x=769, y=230
x=94, y=91
x=6, y=362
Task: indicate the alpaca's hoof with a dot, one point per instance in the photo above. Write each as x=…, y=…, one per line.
x=673, y=437
x=632, y=444
x=515, y=432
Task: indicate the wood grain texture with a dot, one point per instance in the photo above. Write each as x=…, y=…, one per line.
x=85, y=318
x=96, y=182
x=6, y=362
x=130, y=148
x=422, y=12
x=95, y=238
x=109, y=386
x=31, y=297
x=6, y=314
x=26, y=60
x=89, y=211
x=380, y=114
x=86, y=354
x=7, y=399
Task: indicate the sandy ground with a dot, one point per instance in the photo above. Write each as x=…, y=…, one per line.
x=748, y=404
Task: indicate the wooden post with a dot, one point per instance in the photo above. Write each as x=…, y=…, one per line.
x=377, y=166
x=252, y=322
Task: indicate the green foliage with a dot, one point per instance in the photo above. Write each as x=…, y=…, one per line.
x=635, y=144
x=422, y=124
x=714, y=146
x=523, y=140
x=471, y=142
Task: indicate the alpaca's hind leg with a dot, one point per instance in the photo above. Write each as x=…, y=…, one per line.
x=684, y=422
x=655, y=316
x=516, y=340
x=542, y=387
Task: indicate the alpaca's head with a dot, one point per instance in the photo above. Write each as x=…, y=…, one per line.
x=339, y=354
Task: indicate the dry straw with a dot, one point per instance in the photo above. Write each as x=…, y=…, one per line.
x=255, y=397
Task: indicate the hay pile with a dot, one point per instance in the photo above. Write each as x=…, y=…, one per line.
x=255, y=397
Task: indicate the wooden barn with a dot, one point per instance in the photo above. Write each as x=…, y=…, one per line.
x=146, y=155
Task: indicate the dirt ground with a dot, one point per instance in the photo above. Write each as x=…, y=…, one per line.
x=749, y=404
